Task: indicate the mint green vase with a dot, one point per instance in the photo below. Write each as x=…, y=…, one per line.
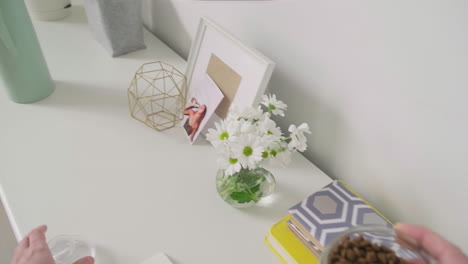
x=22, y=66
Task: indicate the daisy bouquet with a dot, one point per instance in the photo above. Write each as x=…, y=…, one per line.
x=247, y=138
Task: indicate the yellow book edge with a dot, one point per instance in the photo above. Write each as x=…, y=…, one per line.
x=291, y=245
x=274, y=250
x=307, y=234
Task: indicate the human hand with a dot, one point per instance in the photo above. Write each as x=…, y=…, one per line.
x=33, y=249
x=433, y=244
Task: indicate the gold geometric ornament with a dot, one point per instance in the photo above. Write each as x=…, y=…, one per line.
x=157, y=95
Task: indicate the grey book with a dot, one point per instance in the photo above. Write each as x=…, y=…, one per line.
x=330, y=211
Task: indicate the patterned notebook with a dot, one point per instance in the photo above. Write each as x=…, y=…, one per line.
x=332, y=210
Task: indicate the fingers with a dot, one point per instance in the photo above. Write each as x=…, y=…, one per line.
x=37, y=235
x=22, y=246
x=24, y=243
x=424, y=238
x=432, y=243
x=85, y=260
x=35, y=238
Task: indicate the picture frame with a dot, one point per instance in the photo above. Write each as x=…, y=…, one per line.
x=241, y=73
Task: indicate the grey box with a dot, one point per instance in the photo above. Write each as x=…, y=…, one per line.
x=116, y=24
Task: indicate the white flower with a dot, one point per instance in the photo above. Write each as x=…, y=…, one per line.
x=268, y=127
x=246, y=113
x=268, y=132
x=298, y=139
x=229, y=164
x=248, y=150
x=248, y=136
x=224, y=131
x=277, y=107
x=279, y=154
x=245, y=127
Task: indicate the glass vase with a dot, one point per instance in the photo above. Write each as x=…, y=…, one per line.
x=246, y=187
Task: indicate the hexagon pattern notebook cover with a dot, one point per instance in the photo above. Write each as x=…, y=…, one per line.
x=332, y=210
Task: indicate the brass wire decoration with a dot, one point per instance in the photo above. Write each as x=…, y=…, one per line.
x=156, y=95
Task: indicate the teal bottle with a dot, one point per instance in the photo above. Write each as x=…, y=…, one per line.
x=23, y=69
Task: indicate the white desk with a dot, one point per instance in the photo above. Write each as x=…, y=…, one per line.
x=78, y=162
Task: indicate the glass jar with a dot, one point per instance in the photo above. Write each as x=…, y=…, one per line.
x=379, y=235
x=66, y=249
x=246, y=187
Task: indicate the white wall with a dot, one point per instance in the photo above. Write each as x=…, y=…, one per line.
x=383, y=84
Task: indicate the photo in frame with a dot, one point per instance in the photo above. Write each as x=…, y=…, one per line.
x=202, y=101
x=241, y=73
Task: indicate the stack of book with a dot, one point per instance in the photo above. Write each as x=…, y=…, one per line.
x=302, y=235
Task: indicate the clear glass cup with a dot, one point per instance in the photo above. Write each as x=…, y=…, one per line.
x=382, y=236
x=66, y=249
